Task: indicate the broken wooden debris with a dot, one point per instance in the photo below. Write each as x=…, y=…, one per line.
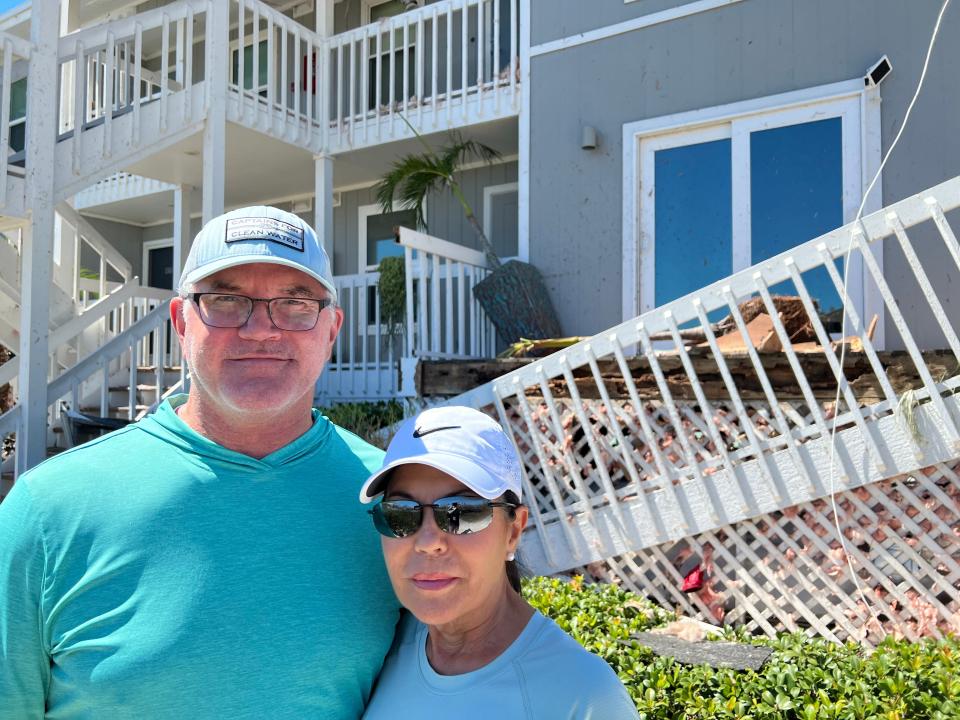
x=452, y=377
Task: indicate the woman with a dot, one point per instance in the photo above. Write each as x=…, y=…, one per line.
x=451, y=520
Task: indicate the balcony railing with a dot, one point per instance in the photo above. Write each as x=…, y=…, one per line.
x=439, y=66
x=448, y=64
x=139, y=69
x=441, y=320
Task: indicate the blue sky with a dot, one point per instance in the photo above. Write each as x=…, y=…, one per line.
x=6, y=5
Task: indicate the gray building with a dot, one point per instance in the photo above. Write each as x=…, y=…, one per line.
x=726, y=132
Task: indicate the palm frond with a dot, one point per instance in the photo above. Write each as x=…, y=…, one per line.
x=408, y=182
x=413, y=177
x=459, y=151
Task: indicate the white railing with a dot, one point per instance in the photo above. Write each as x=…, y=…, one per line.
x=273, y=86
x=117, y=187
x=84, y=335
x=86, y=269
x=364, y=363
x=440, y=66
x=145, y=344
x=108, y=257
x=623, y=453
x=443, y=320
x=445, y=65
x=9, y=425
x=120, y=66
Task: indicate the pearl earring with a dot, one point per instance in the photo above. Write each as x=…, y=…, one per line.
x=511, y=556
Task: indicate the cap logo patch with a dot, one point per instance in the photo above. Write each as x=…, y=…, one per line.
x=264, y=228
x=418, y=433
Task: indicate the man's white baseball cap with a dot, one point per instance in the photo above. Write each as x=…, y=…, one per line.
x=460, y=441
x=259, y=234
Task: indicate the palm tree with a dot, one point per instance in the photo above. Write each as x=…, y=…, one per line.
x=412, y=177
x=513, y=295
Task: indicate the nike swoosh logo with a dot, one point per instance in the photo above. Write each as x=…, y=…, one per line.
x=418, y=433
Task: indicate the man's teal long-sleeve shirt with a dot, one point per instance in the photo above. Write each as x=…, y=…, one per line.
x=155, y=574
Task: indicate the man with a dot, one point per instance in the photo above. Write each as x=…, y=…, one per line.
x=211, y=560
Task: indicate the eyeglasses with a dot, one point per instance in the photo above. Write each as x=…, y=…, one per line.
x=223, y=310
x=457, y=515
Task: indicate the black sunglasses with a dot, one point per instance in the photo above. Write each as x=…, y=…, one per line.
x=456, y=515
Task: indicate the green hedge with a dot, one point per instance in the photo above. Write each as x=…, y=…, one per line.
x=366, y=419
x=805, y=679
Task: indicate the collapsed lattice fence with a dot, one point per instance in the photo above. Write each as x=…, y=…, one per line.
x=787, y=571
x=715, y=429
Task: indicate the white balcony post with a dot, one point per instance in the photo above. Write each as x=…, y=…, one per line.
x=325, y=18
x=523, y=190
x=37, y=250
x=323, y=202
x=325, y=29
x=181, y=229
x=215, y=127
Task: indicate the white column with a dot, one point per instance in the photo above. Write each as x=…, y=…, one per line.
x=324, y=17
x=215, y=127
x=523, y=171
x=36, y=270
x=182, y=237
x=323, y=202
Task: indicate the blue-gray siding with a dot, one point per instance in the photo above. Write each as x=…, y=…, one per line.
x=746, y=50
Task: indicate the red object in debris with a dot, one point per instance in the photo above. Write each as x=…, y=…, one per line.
x=693, y=581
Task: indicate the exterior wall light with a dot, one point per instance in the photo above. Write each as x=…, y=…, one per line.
x=588, y=137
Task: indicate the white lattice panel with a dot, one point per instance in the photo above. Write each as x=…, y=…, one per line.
x=787, y=570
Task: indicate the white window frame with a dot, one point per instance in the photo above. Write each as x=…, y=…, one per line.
x=364, y=212
x=22, y=120
x=149, y=245
x=488, y=194
x=859, y=108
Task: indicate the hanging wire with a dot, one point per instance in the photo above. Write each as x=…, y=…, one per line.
x=843, y=322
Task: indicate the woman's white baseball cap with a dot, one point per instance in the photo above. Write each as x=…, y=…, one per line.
x=259, y=234
x=460, y=441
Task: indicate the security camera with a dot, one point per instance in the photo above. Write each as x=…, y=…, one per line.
x=877, y=72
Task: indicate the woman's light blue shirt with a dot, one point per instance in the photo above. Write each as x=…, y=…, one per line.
x=543, y=674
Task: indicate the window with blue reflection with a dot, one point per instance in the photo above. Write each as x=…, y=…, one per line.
x=381, y=239
x=796, y=194
x=693, y=218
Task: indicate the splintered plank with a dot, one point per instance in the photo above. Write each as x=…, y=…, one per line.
x=452, y=377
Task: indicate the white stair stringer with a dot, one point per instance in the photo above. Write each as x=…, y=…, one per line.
x=132, y=137
x=668, y=459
